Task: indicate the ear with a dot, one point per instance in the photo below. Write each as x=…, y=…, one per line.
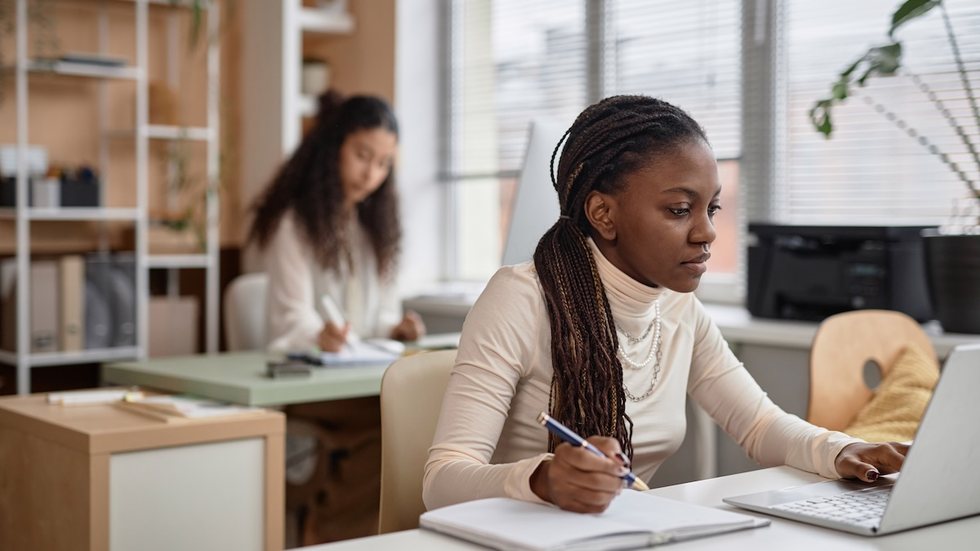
x=600, y=210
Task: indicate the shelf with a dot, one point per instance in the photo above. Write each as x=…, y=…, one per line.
x=73, y=213
x=76, y=357
x=164, y=132
x=307, y=106
x=177, y=261
x=313, y=20
x=87, y=70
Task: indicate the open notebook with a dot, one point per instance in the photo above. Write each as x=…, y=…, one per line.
x=634, y=519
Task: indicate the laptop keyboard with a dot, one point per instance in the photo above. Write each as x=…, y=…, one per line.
x=863, y=507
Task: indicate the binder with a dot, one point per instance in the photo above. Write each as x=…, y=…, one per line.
x=122, y=299
x=98, y=311
x=72, y=302
x=45, y=306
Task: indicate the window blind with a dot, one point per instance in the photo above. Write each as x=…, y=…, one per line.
x=514, y=60
x=687, y=53
x=871, y=171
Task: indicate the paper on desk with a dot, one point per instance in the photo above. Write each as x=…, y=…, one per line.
x=92, y=397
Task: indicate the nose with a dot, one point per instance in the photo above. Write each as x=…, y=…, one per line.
x=703, y=230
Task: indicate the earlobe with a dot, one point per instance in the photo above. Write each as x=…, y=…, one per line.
x=600, y=211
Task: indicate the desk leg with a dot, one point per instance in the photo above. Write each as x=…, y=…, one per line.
x=275, y=488
x=705, y=452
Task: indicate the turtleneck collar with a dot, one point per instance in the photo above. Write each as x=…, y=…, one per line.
x=626, y=295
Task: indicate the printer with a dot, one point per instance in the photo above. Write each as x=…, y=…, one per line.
x=811, y=272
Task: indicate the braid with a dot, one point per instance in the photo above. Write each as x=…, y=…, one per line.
x=608, y=140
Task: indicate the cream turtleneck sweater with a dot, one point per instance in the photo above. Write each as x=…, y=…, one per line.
x=294, y=306
x=488, y=443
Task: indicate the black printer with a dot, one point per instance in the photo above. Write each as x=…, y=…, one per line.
x=811, y=272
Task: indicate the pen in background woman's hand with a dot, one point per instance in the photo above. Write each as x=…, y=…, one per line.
x=333, y=337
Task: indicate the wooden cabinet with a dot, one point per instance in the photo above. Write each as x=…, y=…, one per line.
x=99, y=477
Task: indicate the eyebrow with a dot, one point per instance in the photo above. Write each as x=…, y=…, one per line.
x=689, y=192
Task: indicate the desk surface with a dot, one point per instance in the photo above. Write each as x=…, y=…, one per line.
x=782, y=534
x=104, y=428
x=240, y=378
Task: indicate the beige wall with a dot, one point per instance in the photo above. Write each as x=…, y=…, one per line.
x=364, y=61
x=64, y=112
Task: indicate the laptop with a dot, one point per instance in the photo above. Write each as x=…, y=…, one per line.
x=939, y=480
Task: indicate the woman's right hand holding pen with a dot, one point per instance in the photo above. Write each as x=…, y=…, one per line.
x=333, y=337
x=580, y=481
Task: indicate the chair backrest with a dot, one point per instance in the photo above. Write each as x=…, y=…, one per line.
x=843, y=345
x=411, y=397
x=244, y=310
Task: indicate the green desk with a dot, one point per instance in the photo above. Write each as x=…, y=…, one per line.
x=240, y=378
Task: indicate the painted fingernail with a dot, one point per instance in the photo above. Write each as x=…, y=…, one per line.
x=872, y=475
x=623, y=459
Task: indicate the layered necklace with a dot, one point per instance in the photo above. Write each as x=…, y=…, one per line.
x=655, y=351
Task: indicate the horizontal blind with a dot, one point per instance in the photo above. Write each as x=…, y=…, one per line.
x=871, y=171
x=513, y=60
x=687, y=53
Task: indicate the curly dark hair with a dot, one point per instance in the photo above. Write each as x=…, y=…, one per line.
x=308, y=184
x=605, y=143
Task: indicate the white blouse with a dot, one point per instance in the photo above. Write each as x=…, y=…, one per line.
x=488, y=443
x=294, y=308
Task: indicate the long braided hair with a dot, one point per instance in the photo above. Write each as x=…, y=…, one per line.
x=308, y=184
x=607, y=141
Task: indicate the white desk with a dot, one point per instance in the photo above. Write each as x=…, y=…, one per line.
x=782, y=534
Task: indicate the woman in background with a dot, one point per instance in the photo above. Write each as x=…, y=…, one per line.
x=329, y=227
x=330, y=231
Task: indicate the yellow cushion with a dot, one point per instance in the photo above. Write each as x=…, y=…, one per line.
x=898, y=403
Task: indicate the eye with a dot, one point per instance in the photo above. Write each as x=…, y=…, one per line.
x=679, y=211
x=713, y=210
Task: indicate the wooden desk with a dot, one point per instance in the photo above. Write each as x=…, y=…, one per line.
x=99, y=477
x=782, y=534
x=240, y=378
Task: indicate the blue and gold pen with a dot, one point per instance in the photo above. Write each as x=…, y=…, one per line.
x=568, y=435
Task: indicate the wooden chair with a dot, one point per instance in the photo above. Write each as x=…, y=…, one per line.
x=843, y=345
x=411, y=398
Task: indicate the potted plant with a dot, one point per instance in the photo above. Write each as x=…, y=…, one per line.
x=952, y=251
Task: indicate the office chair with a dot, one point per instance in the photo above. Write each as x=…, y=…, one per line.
x=244, y=310
x=843, y=345
x=411, y=397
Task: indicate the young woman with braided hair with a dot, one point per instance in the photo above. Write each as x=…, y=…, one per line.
x=602, y=330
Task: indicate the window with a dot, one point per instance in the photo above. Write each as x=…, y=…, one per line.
x=515, y=59
x=870, y=172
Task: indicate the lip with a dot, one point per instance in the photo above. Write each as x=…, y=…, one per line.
x=697, y=264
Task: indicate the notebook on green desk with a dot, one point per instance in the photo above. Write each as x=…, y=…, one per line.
x=633, y=520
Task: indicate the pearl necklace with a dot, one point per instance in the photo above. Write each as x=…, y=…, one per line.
x=655, y=351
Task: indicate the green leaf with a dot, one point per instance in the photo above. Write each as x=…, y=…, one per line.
x=910, y=10
x=820, y=117
x=839, y=90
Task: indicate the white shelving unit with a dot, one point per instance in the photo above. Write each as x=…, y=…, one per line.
x=270, y=77
x=143, y=132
